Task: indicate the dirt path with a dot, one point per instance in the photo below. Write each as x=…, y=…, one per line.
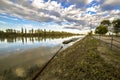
x=115, y=41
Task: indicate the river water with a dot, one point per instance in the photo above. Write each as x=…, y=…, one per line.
x=22, y=57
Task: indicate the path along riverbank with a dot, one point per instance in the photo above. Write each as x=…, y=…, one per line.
x=87, y=59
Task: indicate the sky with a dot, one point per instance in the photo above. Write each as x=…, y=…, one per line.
x=77, y=16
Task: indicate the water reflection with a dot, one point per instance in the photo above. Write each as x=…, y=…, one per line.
x=21, y=57
x=27, y=39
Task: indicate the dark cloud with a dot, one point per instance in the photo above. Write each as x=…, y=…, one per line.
x=78, y=3
x=110, y=4
x=72, y=28
x=50, y=12
x=110, y=7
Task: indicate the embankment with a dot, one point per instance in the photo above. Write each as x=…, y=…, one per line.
x=87, y=59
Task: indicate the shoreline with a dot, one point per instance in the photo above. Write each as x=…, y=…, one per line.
x=29, y=59
x=88, y=59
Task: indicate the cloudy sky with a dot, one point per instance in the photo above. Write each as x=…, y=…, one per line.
x=61, y=15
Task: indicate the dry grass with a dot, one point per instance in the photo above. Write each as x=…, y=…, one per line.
x=88, y=59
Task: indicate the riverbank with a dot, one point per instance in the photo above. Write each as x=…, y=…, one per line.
x=20, y=61
x=87, y=59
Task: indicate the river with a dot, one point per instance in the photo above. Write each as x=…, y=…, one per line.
x=22, y=57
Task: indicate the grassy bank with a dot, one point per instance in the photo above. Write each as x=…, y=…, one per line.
x=88, y=59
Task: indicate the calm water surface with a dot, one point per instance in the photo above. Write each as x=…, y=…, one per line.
x=9, y=46
x=21, y=57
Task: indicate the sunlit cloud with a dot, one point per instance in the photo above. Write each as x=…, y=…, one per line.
x=68, y=15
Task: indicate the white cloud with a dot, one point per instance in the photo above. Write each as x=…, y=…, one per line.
x=10, y=18
x=91, y=9
x=77, y=2
x=53, y=11
x=40, y=11
x=111, y=2
x=115, y=12
x=89, y=1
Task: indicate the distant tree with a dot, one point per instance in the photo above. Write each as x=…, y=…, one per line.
x=22, y=30
x=90, y=33
x=18, y=32
x=25, y=31
x=101, y=29
x=14, y=31
x=1, y=32
x=9, y=30
x=45, y=31
x=32, y=30
x=105, y=23
x=32, y=33
x=116, y=26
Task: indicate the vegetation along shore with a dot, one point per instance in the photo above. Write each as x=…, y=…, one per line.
x=33, y=33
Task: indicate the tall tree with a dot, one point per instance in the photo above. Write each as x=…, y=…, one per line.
x=22, y=30
x=25, y=31
x=105, y=23
x=32, y=30
x=45, y=31
x=101, y=30
x=116, y=26
x=14, y=31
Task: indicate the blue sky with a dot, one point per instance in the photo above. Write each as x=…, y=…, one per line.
x=60, y=15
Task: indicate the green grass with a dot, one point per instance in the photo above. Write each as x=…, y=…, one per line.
x=88, y=59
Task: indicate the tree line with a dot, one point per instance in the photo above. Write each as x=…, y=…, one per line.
x=32, y=33
x=107, y=25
